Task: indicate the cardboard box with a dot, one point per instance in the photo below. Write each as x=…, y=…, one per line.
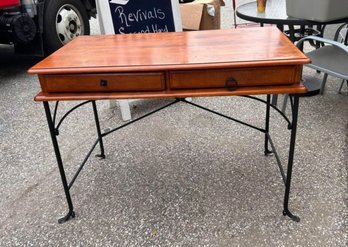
x=201, y=14
x=317, y=10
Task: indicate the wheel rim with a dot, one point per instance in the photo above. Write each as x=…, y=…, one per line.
x=69, y=23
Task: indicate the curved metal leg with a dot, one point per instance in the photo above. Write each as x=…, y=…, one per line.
x=286, y=210
x=71, y=213
x=100, y=137
x=268, y=152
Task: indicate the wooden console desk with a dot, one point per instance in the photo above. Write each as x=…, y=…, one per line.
x=235, y=62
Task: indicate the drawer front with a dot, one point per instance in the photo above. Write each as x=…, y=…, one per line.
x=103, y=82
x=280, y=75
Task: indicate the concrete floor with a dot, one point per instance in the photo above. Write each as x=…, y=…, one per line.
x=181, y=177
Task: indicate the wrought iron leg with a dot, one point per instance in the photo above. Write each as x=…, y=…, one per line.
x=100, y=137
x=268, y=106
x=290, y=160
x=71, y=213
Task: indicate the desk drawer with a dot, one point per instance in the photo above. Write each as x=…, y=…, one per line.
x=153, y=81
x=280, y=75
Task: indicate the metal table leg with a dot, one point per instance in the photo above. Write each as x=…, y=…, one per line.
x=268, y=141
x=71, y=213
x=268, y=107
x=100, y=137
x=291, y=160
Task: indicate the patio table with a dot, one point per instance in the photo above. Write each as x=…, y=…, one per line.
x=275, y=13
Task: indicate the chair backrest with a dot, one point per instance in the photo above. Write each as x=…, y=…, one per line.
x=134, y=16
x=341, y=34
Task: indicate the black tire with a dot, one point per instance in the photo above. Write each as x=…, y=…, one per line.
x=63, y=21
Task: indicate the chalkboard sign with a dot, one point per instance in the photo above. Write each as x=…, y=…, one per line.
x=138, y=16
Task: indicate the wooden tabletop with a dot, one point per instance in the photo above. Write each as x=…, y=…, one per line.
x=265, y=52
x=170, y=51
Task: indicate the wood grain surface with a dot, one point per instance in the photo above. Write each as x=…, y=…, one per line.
x=181, y=50
x=182, y=64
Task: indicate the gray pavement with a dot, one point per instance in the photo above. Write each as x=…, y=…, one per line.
x=181, y=177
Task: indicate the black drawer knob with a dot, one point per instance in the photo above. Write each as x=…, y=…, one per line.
x=231, y=84
x=104, y=83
